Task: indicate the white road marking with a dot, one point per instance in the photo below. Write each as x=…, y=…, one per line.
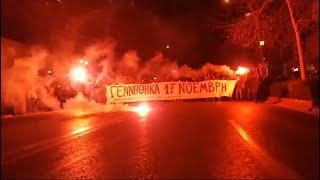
x=272, y=165
x=35, y=148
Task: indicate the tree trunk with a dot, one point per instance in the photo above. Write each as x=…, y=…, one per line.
x=298, y=41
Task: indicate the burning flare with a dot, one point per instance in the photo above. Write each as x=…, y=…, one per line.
x=79, y=74
x=143, y=109
x=242, y=70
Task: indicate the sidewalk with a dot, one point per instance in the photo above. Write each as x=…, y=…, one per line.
x=304, y=106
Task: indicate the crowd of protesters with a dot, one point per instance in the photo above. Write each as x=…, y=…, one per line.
x=252, y=85
x=249, y=86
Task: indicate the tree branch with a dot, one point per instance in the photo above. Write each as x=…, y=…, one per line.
x=263, y=6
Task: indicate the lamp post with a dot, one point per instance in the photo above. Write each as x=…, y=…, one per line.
x=263, y=62
x=261, y=44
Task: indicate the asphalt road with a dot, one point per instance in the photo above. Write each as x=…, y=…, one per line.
x=220, y=140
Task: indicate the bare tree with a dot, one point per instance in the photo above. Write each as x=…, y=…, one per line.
x=298, y=40
x=278, y=23
x=252, y=26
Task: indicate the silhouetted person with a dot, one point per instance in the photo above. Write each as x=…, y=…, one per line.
x=262, y=70
x=62, y=101
x=60, y=95
x=252, y=84
x=240, y=87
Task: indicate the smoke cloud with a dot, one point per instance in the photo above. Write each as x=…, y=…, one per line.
x=112, y=52
x=25, y=90
x=21, y=85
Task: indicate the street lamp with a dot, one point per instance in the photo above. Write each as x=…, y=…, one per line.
x=261, y=43
x=247, y=14
x=226, y=1
x=83, y=61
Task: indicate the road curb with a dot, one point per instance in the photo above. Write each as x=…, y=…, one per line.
x=294, y=104
x=273, y=100
x=30, y=115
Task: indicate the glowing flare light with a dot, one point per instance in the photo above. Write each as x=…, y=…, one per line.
x=143, y=110
x=79, y=74
x=242, y=70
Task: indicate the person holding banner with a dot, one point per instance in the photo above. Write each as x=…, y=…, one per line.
x=263, y=73
x=252, y=84
x=240, y=87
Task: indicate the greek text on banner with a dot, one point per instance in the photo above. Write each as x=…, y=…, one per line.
x=169, y=90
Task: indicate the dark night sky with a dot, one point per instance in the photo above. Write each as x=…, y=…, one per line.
x=145, y=25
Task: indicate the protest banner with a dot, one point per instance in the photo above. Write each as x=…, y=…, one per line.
x=169, y=91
